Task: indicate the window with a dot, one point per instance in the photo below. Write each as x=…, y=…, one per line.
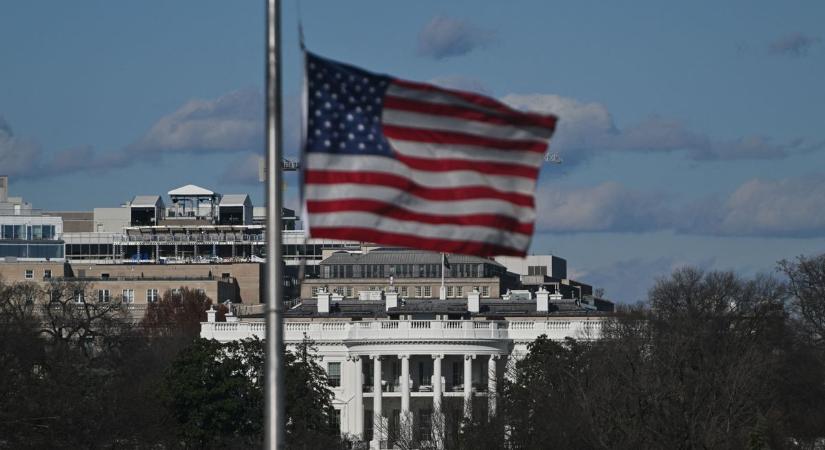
x=314, y=291
x=449, y=291
x=225, y=275
x=403, y=291
x=151, y=295
x=458, y=374
x=335, y=419
x=47, y=273
x=79, y=297
x=427, y=291
x=418, y=291
x=29, y=274
x=459, y=291
x=103, y=295
x=128, y=296
x=485, y=291
x=348, y=291
x=425, y=424
x=334, y=374
x=536, y=270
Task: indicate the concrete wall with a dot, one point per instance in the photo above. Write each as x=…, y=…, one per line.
x=75, y=221
x=111, y=220
x=246, y=276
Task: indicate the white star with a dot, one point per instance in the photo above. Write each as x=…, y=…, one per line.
x=326, y=143
x=361, y=145
x=327, y=124
x=342, y=145
x=350, y=136
x=327, y=105
x=360, y=127
x=318, y=93
x=349, y=117
x=317, y=132
x=334, y=96
x=370, y=136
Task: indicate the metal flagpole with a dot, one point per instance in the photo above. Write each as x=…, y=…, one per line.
x=275, y=414
x=442, y=293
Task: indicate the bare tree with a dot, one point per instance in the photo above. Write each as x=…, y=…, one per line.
x=806, y=284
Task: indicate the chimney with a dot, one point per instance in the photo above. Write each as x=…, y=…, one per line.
x=542, y=299
x=323, y=301
x=4, y=188
x=391, y=299
x=473, y=303
x=210, y=314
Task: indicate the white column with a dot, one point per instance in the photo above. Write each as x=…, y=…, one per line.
x=491, y=386
x=406, y=415
x=437, y=417
x=359, y=396
x=405, y=383
x=377, y=416
x=468, y=384
x=436, y=382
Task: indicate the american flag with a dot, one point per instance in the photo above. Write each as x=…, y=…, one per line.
x=409, y=164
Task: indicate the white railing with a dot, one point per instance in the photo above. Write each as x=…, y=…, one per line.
x=330, y=331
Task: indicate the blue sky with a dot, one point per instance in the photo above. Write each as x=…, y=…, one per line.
x=691, y=132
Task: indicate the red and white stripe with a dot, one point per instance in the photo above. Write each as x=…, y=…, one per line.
x=463, y=179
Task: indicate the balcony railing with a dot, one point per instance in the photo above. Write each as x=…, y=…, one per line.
x=522, y=330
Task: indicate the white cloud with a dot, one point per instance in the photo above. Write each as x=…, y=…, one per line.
x=791, y=207
x=608, y=206
x=588, y=129
x=230, y=123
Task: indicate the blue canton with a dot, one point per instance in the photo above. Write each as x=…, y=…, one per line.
x=344, y=111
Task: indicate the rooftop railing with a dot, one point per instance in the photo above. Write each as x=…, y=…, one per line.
x=325, y=331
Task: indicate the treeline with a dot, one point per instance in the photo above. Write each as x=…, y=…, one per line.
x=711, y=361
x=82, y=375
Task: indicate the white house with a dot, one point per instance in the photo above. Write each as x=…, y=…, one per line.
x=393, y=363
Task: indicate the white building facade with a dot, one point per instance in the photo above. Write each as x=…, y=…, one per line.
x=394, y=364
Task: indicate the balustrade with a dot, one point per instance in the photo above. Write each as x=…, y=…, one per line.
x=521, y=330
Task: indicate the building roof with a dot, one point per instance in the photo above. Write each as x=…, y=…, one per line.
x=489, y=308
x=402, y=256
x=191, y=190
x=234, y=199
x=146, y=201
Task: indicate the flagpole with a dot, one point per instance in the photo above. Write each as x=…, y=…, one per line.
x=275, y=413
x=442, y=293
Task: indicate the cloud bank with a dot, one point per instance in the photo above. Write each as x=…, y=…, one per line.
x=790, y=207
x=588, y=129
x=443, y=37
